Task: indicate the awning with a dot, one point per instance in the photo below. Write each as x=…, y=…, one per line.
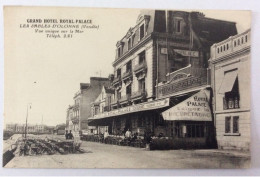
x=134, y=108
x=228, y=82
x=195, y=108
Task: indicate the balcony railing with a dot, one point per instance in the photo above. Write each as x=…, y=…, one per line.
x=199, y=77
x=140, y=67
x=233, y=44
x=125, y=98
x=117, y=79
x=114, y=102
x=140, y=94
x=127, y=74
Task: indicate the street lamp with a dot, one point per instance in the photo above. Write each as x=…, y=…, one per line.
x=29, y=104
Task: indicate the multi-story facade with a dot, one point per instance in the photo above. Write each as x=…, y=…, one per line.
x=102, y=104
x=161, y=62
x=77, y=114
x=230, y=68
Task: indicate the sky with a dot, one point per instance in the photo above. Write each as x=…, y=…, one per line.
x=46, y=72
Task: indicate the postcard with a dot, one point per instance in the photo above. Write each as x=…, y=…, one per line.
x=126, y=88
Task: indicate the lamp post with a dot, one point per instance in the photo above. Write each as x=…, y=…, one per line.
x=26, y=126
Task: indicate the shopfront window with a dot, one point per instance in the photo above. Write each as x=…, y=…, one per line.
x=195, y=131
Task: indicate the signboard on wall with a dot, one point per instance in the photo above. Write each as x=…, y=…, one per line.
x=135, y=108
x=187, y=53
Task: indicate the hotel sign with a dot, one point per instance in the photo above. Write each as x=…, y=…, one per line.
x=184, y=84
x=187, y=53
x=135, y=108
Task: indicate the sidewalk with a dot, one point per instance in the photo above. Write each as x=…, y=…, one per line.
x=228, y=153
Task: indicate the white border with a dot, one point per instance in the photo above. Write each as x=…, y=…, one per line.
x=253, y=5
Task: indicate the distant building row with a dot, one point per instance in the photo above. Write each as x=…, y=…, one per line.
x=20, y=128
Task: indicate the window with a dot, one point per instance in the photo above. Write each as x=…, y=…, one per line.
x=142, y=85
x=242, y=40
x=142, y=57
x=178, y=26
x=246, y=38
x=231, y=99
x=232, y=125
x=238, y=42
x=227, y=124
x=118, y=52
x=235, y=124
x=129, y=66
x=118, y=95
x=133, y=38
x=129, y=89
x=227, y=46
x=118, y=73
x=129, y=43
x=218, y=50
x=235, y=43
x=141, y=31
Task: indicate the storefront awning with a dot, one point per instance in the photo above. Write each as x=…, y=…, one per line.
x=134, y=108
x=228, y=82
x=195, y=108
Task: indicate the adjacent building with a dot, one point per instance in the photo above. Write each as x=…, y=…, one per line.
x=230, y=68
x=77, y=114
x=161, y=67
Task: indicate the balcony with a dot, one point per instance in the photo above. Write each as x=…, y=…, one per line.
x=125, y=99
x=139, y=95
x=114, y=102
x=186, y=72
x=107, y=108
x=184, y=80
x=75, y=120
x=141, y=67
x=127, y=74
x=117, y=80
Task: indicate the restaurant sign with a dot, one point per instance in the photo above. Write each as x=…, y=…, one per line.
x=195, y=108
x=134, y=108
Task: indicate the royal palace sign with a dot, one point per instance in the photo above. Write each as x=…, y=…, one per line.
x=134, y=108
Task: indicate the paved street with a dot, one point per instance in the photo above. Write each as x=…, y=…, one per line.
x=112, y=156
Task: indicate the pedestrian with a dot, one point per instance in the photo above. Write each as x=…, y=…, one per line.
x=128, y=134
x=70, y=135
x=66, y=135
x=106, y=134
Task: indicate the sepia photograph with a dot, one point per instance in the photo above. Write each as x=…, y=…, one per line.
x=126, y=88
